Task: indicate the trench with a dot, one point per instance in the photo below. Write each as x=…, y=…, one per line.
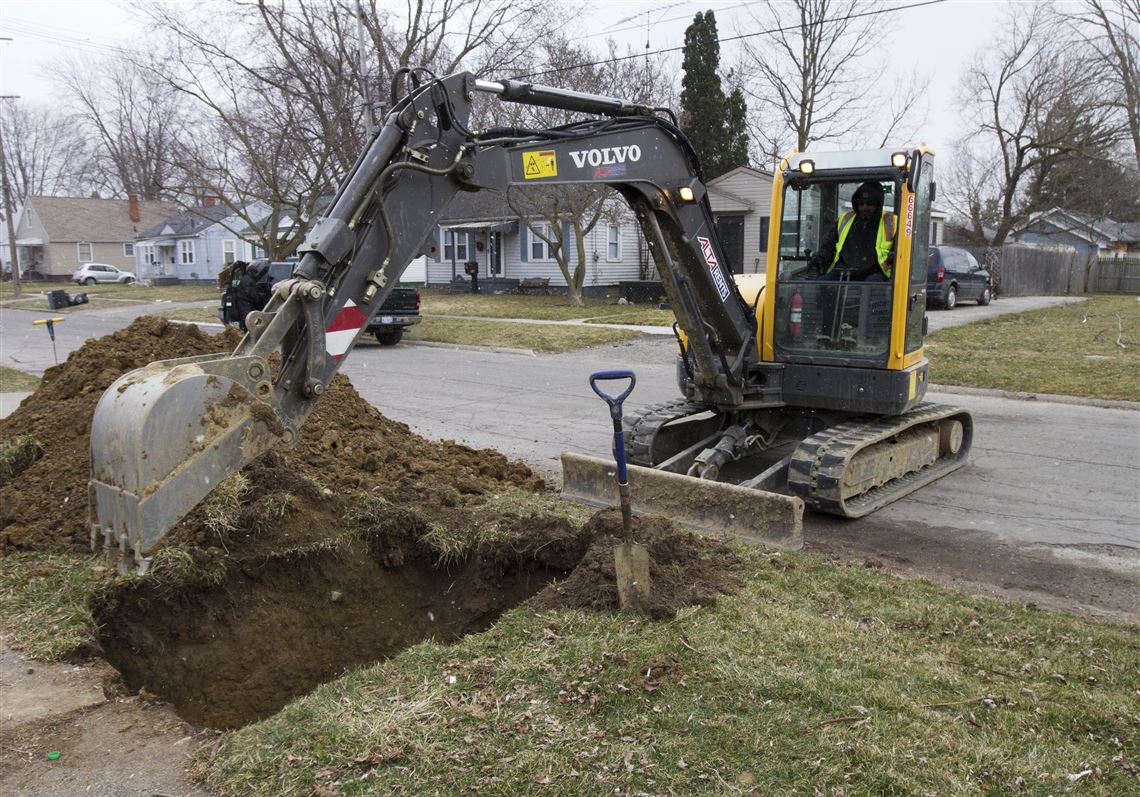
x=235, y=652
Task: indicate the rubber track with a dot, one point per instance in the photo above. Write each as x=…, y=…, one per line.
x=816, y=470
x=643, y=424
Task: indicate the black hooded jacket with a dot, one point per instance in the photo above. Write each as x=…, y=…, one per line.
x=858, y=254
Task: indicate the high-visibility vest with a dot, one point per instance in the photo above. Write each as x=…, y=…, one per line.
x=883, y=241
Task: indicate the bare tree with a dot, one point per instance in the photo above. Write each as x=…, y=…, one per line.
x=1111, y=27
x=45, y=154
x=557, y=214
x=130, y=115
x=814, y=76
x=284, y=89
x=1035, y=99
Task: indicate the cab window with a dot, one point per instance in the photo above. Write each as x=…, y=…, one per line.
x=821, y=316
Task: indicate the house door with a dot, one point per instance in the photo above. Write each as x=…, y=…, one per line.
x=730, y=229
x=496, y=254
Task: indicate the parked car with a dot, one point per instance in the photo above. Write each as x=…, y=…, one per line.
x=91, y=273
x=954, y=275
x=400, y=310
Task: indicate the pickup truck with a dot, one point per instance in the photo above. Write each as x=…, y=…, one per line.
x=400, y=310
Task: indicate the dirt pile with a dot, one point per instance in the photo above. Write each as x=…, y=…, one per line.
x=44, y=507
x=359, y=541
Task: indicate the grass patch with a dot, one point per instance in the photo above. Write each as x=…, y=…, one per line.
x=13, y=381
x=543, y=308
x=817, y=678
x=1070, y=350
x=138, y=291
x=17, y=453
x=536, y=337
x=641, y=315
x=43, y=600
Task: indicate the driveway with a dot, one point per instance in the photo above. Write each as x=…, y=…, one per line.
x=968, y=313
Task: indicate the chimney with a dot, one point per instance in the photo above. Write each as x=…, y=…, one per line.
x=134, y=200
x=209, y=201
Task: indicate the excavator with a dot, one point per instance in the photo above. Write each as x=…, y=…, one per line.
x=794, y=390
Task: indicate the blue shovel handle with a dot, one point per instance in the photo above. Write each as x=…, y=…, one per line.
x=615, y=402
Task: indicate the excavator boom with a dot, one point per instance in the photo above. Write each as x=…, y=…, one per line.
x=165, y=435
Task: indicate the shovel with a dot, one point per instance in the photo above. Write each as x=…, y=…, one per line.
x=631, y=560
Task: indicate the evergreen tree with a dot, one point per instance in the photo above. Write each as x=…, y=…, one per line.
x=714, y=123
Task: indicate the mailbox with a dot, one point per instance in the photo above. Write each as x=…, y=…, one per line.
x=470, y=268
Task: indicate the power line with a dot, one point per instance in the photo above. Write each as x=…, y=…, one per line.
x=44, y=33
x=879, y=12
x=646, y=13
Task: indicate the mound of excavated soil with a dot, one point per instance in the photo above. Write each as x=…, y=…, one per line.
x=325, y=556
x=684, y=569
x=45, y=506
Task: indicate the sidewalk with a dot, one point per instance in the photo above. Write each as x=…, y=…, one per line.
x=9, y=402
x=648, y=330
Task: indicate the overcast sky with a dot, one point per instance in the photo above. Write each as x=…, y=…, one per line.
x=936, y=40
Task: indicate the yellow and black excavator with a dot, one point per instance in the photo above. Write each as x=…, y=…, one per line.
x=810, y=382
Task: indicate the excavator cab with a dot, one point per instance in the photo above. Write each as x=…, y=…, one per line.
x=840, y=315
x=822, y=315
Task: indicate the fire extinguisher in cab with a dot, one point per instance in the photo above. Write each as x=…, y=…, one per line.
x=796, y=317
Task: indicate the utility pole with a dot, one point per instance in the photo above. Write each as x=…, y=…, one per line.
x=8, y=207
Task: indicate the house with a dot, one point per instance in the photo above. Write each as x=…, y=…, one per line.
x=1103, y=237
x=481, y=227
x=195, y=244
x=741, y=202
x=55, y=235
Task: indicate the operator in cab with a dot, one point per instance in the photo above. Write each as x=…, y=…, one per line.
x=860, y=245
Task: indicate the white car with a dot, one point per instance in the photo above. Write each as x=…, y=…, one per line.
x=91, y=273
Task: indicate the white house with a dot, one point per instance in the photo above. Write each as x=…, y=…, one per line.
x=741, y=202
x=481, y=227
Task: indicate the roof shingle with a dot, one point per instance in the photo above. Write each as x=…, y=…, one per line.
x=66, y=218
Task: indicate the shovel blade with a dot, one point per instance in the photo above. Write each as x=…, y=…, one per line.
x=710, y=507
x=631, y=565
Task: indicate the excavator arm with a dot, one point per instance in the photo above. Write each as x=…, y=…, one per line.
x=165, y=435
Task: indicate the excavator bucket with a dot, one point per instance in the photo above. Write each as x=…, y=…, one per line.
x=165, y=435
x=707, y=506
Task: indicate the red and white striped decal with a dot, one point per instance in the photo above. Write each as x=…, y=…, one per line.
x=343, y=330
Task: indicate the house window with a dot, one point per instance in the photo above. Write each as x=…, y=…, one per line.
x=229, y=251
x=186, y=253
x=613, y=243
x=454, y=245
x=764, y=222
x=128, y=249
x=538, y=248
x=83, y=251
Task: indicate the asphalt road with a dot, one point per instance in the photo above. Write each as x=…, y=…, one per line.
x=1047, y=508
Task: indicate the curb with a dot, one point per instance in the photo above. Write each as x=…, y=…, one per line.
x=1049, y=398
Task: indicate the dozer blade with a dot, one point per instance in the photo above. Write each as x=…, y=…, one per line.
x=165, y=435
x=707, y=506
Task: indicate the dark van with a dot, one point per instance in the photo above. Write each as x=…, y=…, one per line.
x=954, y=275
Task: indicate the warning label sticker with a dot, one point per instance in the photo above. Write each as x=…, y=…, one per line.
x=539, y=164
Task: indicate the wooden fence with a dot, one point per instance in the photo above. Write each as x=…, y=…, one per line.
x=1023, y=270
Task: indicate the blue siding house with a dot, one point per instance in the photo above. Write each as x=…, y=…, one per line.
x=194, y=245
